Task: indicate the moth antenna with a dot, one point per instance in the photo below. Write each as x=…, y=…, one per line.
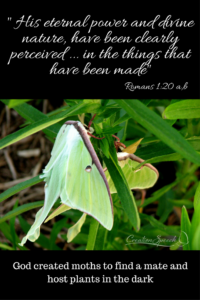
x=95, y=136
x=121, y=144
x=118, y=143
x=116, y=137
x=90, y=123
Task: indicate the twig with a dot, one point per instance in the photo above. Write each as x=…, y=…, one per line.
x=8, y=118
x=38, y=167
x=10, y=164
x=25, y=140
x=30, y=197
x=2, y=115
x=45, y=104
x=29, y=153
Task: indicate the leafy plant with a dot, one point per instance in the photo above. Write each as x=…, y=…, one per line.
x=170, y=133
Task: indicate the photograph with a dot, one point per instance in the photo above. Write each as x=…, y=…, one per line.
x=100, y=151
x=99, y=174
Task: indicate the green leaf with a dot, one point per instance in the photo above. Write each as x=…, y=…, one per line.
x=6, y=247
x=165, y=207
x=159, y=102
x=145, y=101
x=97, y=236
x=15, y=102
x=12, y=226
x=113, y=233
x=80, y=239
x=185, y=229
x=195, y=230
x=124, y=193
x=197, y=196
x=196, y=239
x=104, y=102
x=156, y=151
x=191, y=191
x=39, y=125
x=55, y=231
x=105, y=147
x=19, y=187
x=72, y=102
x=111, y=130
x=21, y=209
x=170, y=122
x=181, y=202
x=31, y=114
x=159, y=225
x=175, y=100
x=94, y=226
x=100, y=238
x=160, y=128
x=122, y=134
x=185, y=109
x=91, y=101
x=122, y=119
x=108, y=111
x=5, y=228
x=162, y=158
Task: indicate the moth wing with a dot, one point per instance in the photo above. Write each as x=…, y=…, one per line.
x=86, y=190
x=59, y=147
x=54, y=179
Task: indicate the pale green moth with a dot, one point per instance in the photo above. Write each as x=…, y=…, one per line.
x=74, y=173
x=143, y=178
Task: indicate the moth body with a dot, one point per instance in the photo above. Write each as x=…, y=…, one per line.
x=86, y=189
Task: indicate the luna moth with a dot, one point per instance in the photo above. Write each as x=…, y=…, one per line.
x=142, y=178
x=74, y=173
